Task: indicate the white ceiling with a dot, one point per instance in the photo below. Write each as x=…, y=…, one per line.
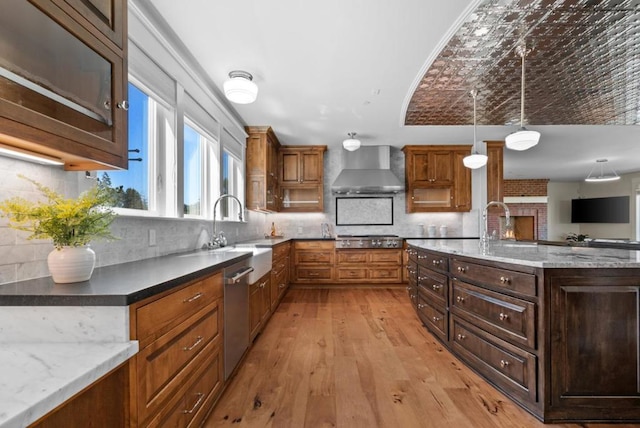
x=328, y=68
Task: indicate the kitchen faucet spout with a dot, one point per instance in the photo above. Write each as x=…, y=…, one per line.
x=218, y=239
x=484, y=240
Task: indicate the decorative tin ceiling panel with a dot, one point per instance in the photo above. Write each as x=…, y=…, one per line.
x=584, y=68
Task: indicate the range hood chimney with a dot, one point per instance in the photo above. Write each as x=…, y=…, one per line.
x=367, y=171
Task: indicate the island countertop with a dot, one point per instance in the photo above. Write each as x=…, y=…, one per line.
x=533, y=254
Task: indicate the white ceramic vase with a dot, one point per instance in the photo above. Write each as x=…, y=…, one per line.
x=71, y=264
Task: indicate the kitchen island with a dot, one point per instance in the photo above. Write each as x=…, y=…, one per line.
x=554, y=328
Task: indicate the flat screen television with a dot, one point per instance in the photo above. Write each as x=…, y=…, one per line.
x=600, y=210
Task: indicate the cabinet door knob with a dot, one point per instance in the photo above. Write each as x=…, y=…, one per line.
x=124, y=105
x=503, y=316
x=504, y=363
x=460, y=299
x=461, y=337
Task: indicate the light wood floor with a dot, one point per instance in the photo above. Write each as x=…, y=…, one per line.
x=359, y=358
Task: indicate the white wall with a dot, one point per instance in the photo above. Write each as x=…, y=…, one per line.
x=559, y=210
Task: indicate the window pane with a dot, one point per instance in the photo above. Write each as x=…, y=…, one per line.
x=192, y=171
x=132, y=186
x=232, y=184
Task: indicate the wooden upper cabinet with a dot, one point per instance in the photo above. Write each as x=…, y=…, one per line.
x=301, y=178
x=302, y=165
x=63, y=90
x=262, y=169
x=495, y=171
x=436, y=179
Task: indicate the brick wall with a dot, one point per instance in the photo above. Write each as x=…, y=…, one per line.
x=537, y=187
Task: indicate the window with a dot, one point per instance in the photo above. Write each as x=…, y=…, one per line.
x=134, y=188
x=200, y=184
x=232, y=184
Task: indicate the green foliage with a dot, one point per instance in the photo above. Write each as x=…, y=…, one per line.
x=68, y=222
x=121, y=198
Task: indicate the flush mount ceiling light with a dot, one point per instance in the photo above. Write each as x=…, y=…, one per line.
x=475, y=160
x=611, y=176
x=240, y=88
x=351, y=143
x=523, y=138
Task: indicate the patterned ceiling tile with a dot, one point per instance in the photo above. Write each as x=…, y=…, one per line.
x=584, y=67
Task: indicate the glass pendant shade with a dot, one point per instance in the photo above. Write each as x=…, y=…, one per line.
x=240, y=88
x=522, y=139
x=475, y=160
x=351, y=144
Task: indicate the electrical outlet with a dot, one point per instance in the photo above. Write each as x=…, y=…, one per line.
x=152, y=237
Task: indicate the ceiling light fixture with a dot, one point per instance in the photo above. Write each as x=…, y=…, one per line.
x=351, y=143
x=523, y=138
x=240, y=88
x=612, y=176
x=475, y=160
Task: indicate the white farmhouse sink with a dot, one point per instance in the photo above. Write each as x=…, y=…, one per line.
x=261, y=260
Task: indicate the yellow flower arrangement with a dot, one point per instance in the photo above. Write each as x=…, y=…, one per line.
x=68, y=222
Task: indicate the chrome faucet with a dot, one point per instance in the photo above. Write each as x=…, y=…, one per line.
x=484, y=240
x=218, y=239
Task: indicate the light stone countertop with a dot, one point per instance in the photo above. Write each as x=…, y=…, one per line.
x=534, y=255
x=37, y=377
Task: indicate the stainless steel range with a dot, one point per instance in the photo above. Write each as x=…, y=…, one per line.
x=368, y=241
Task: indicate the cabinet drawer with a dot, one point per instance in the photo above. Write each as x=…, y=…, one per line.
x=433, y=283
x=157, y=317
x=194, y=400
x=314, y=245
x=316, y=257
x=313, y=273
x=433, y=261
x=501, y=279
x=382, y=274
x=434, y=317
x=351, y=273
x=165, y=364
x=508, y=367
x=507, y=317
x=280, y=251
x=351, y=256
x=386, y=256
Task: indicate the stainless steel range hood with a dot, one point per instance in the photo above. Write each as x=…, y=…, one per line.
x=367, y=171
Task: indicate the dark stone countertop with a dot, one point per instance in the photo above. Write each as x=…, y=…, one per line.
x=121, y=284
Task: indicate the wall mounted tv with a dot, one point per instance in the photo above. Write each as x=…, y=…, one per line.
x=600, y=210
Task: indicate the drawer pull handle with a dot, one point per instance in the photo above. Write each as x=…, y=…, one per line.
x=413, y=296
x=436, y=287
x=436, y=319
x=196, y=405
x=462, y=269
x=504, y=363
x=192, y=298
x=282, y=285
x=199, y=339
x=503, y=316
x=263, y=284
x=505, y=280
x=461, y=337
x=408, y=288
x=421, y=306
x=460, y=299
x=421, y=257
x=436, y=262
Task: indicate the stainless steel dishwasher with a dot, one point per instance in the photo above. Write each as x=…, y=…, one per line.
x=236, y=314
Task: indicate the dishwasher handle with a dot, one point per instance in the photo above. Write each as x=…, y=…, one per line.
x=238, y=275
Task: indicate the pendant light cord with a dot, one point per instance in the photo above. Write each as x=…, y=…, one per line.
x=523, y=53
x=474, y=93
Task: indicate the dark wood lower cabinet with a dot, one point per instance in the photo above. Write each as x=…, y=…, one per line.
x=562, y=343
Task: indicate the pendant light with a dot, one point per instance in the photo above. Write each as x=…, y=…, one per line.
x=612, y=176
x=240, y=88
x=351, y=143
x=475, y=160
x=523, y=138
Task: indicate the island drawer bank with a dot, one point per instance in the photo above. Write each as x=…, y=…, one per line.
x=554, y=328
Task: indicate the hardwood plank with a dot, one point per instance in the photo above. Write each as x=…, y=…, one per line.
x=360, y=358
